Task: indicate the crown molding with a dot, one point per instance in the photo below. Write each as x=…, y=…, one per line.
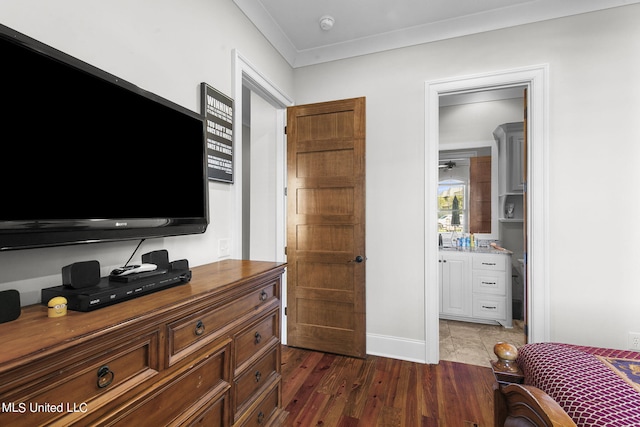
x=520, y=14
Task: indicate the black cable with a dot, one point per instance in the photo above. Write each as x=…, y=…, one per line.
x=134, y=252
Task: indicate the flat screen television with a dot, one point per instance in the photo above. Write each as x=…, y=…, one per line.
x=89, y=157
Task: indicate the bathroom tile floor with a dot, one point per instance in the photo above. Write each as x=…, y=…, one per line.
x=472, y=343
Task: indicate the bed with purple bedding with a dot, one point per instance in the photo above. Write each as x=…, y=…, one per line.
x=565, y=385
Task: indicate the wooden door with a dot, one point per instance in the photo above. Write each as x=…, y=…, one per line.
x=326, y=227
x=480, y=195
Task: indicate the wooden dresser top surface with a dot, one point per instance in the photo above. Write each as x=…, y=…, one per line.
x=33, y=333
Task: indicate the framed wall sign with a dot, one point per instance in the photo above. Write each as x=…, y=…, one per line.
x=217, y=110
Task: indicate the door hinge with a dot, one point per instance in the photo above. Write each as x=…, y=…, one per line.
x=285, y=250
x=285, y=130
x=285, y=311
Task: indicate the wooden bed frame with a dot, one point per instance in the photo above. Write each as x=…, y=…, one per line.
x=518, y=405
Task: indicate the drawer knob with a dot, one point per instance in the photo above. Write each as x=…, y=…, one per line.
x=258, y=338
x=199, y=330
x=258, y=375
x=260, y=417
x=105, y=376
x=263, y=296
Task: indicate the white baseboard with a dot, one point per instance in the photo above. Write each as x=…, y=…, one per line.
x=396, y=348
x=392, y=347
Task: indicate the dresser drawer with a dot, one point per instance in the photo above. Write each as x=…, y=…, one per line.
x=189, y=334
x=250, y=341
x=213, y=415
x=70, y=391
x=266, y=408
x=489, y=262
x=184, y=395
x=489, y=283
x=255, y=378
x=488, y=307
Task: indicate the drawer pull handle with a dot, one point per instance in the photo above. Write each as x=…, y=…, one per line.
x=489, y=307
x=263, y=296
x=488, y=263
x=258, y=338
x=199, y=330
x=258, y=375
x=260, y=417
x=105, y=376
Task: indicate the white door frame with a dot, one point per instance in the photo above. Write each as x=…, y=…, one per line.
x=245, y=74
x=536, y=79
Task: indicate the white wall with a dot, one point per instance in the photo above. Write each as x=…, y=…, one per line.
x=263, y=180
x=477, y=121
x=594, y=150
x=166, y=47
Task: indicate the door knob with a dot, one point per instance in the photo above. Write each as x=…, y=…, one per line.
x=358, y=259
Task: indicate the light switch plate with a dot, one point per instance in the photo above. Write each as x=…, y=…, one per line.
x=224, y=248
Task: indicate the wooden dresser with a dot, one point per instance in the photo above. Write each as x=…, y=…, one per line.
x=203, y=353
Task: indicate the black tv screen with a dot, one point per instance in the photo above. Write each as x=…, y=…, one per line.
x=89, y=157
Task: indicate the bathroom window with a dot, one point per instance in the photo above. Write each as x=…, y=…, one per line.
x=452, y=206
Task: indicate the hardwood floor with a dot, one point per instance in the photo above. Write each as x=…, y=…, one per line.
x=329, y=390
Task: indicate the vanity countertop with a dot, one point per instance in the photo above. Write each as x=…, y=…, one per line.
x=478, y=250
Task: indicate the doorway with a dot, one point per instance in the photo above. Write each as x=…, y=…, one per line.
x=273, y=104
x=473, y=165
x=259, y=178
x=535, y=79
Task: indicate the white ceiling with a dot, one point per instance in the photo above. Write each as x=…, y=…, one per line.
x=369, y=26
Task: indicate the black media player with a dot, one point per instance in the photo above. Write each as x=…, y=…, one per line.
x=109, y=292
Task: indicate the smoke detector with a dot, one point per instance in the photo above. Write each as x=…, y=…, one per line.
x=326, y=22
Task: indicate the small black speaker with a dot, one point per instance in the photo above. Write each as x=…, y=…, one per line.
x=181, y=264
x=9, y=305
x=81, y=274
x=159, y=258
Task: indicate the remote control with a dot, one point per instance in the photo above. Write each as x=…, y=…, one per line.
x=132, y=269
